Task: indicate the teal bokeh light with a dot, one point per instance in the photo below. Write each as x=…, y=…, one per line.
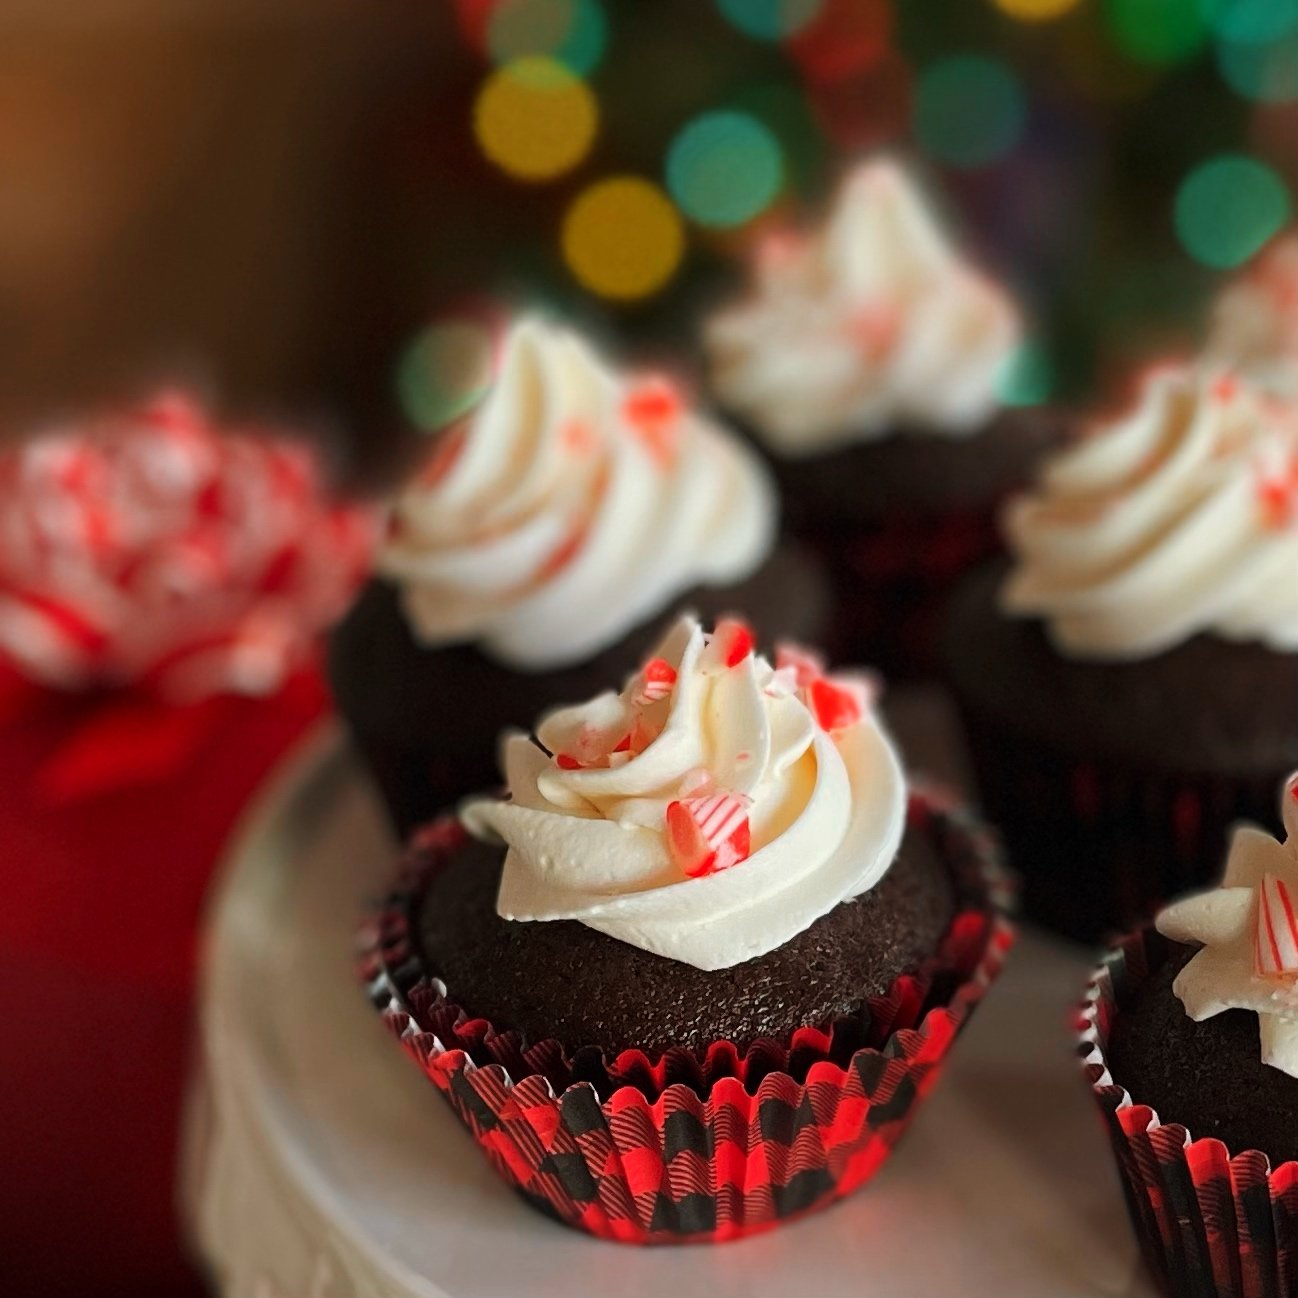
x=572, y=32
x=444, y=372
x=1266, y=73
x=1028, y=378
x=969, y=110
x=1251, y=22
x=1228, y=207
x=724, y=168
x=770, y=20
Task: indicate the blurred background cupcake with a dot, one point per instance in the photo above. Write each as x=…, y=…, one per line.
x=1127, y=685
x=868, y=359
x=537, y=553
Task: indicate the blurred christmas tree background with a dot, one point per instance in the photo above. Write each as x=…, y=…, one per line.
x=616, y=158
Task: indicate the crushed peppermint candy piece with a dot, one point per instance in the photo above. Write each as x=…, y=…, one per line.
x=657, y=680
x=730, y=643
x=875, y=328
x=653, y=408
x=1277, y=488
x=838, y=702
x=1289, y=807
x=1226, y=388
x=709, y=833
x=1275, y=944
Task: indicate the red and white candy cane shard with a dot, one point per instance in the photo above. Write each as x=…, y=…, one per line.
x=657, y=680
x=806, y=664
x=708, y=833
x=1277, y=489
x=730, y=643
x=653, y=409
x=838, y=702
x=1289, y=807
x=1276, y=945
x=1225, y=387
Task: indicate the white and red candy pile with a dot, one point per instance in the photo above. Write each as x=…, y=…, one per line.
x=148, y=550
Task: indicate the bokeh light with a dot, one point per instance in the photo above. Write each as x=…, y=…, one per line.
x=572, y=32
x=1251, y=21
x=1267, y=73
x=622, y=238
x=535, y=119
x=1036, y=11
x=770, y=20
x=1028, y=378
x=1228, y=207
x=1157, y=31
x=724, y=168
x=846, y=38
x=969, y=110
x=444, y=372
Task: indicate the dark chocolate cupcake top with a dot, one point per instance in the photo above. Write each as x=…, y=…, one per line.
x=710, y=812
x=1248, y=929
x=570, y=507
x=1177, y=519
x=871, y=325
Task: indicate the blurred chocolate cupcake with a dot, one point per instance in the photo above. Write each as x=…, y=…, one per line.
x=866, y=360
x=709, y=928
x=1130, y=688
x=1191, y=1045
x=539, y=552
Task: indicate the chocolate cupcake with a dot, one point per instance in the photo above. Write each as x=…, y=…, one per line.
x=1190, y=1037
x=1129, y=689
x=707, y=949
x=867, y=360
x=537, y=556
x=1255, y=321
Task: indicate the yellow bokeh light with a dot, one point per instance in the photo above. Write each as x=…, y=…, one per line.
x=1036, y=11
x=535, y=119
x=622, y=238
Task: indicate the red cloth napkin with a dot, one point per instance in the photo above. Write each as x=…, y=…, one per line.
x=113, y=815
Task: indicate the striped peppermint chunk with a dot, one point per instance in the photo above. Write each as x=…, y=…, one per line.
x=708, y=833
x=1289, y=807
x=728, y=645
x=1276, y=944
x=657, y=680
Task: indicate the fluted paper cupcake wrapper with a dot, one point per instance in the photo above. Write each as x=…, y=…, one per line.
x=1212, y=1223
x=690, y=1147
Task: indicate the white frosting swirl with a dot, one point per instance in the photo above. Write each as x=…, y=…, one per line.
x=825, y=809
x=1255, y=322
x=1247, y=926
x=571, y=508
x=874, y=325
x=1177, y=519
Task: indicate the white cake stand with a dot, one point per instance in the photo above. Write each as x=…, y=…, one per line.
x=319, y=1163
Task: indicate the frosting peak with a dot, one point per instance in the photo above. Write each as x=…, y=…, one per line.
x=873, y=324
x=711, y=811
x=571, y=507
x=1249, y=931
x=1177, y=519
x=1255, y=322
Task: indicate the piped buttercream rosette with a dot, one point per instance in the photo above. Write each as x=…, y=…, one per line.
x=573, y=505
x=1178, y=518
x=1249, y=931
x=147, y=550
x=713, y=809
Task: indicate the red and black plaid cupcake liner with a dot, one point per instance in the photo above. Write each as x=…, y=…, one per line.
x=1100, y=845
x=1211, y=1224
x=691, y=1147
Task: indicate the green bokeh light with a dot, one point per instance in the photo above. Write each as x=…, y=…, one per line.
x=770, y=20
x=724, y=168
x=444, y=372
x=969, y=110
x=572, y=32
x=1157, y=31
x=1251, y=22
x=1266, y=73
x=1228, y=207
x=1028, y=378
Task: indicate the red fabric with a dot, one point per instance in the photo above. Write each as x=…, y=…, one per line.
x=104, y=865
